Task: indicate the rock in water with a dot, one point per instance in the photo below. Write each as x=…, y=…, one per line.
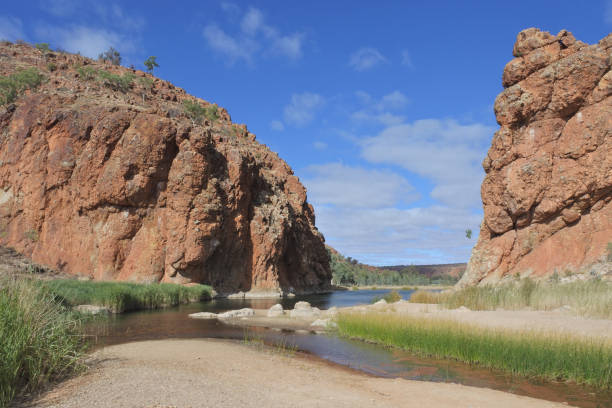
x=548, y=186
x=128, y=183
x=276, y=310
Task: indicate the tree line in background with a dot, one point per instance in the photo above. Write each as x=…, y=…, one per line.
x=348, y=271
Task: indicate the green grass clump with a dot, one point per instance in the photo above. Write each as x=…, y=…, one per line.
x=198, y=113
x=121, y=83
x=592, y=298
x=39, y=340
x=12, y=86
x=123, y=296
x=391, y=297
x=87, y=73
x=525, y=353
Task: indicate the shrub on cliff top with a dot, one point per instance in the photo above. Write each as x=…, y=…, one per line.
x=12, y=86
x=197, y=112
x=39, y=340
x=121, y=83
x=111, y=55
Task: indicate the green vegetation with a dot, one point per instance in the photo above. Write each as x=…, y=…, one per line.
x=44, y=47
x=39, y=340
x=524, y=353
x=256, y=340
x=86, y=73
x=151, y=63
x=391, y=297
x=12, y=86
x=111, y=55
x=591, y=298
x=121, y=83
x=197, y=112
x=51, y=67
x=348, y=271
x=123, y=296
x=146, y=83
x=468, y=233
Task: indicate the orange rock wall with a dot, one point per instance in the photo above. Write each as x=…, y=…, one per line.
x=548, y=186
x=124, y=186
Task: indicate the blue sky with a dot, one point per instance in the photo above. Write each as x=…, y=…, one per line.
x=383, y=109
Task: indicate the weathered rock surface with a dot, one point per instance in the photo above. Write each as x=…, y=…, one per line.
x=304, y=310
x=548, y=186
x=116, y=185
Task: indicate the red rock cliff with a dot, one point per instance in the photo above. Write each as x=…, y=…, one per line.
x=123, y=185
x=548, y=186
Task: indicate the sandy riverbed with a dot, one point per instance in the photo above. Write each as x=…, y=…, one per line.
x=218, y=373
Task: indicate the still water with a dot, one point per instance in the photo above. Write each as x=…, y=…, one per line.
x=368, y=358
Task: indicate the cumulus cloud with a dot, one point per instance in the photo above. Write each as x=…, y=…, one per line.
x=345, y=186
x=11, y=28
x=302, y=108
x=277, y=125
x=366, y=58
x=444, y=151
x=388, y=235
x=251, y=38
x=320, y=145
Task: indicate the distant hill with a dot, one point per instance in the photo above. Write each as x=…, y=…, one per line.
x=349, y=271
x=454, y=270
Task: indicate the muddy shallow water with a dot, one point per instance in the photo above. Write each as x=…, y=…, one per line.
x=368, y=358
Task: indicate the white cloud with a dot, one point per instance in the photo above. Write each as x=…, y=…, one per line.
x=399, y=236
x=277, y=125
x=11, y=28
x=320, y=145
x=253, y=37
x=381, y=110
x=339, y=185
x=407, y=59
x=221, y=42
x=302, y=108
x=444, y=151
x=88, y=41
x=366, y=58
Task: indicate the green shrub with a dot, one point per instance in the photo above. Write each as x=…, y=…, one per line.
x=391, y=297
x=12, y=86
x=121, y=83
x=197, y=112
x=51, y=67
x=87, y=73
x=146, y=83
x=44, y=47
x=39, y=340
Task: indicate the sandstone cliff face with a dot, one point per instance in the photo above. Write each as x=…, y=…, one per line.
x=119, y=185
x=548, y=186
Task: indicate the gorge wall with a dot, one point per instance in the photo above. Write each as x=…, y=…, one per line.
x=118, y=181
x=548, y=186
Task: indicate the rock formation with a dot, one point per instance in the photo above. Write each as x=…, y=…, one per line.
x=548, y=186
x=118, y=180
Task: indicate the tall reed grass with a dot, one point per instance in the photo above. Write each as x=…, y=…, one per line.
x=591, y=298
x=123, y=296
x=39, y=339
x=525, y=353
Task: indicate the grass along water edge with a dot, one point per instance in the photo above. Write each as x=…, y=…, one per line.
x=591, y=298
x=40, y=340
x=121, y=297
x=532, y=354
